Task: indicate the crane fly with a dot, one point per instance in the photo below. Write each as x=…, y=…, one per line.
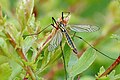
x=60, y=29
x=61, y=26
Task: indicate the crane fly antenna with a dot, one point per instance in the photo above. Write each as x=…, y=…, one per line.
x=94, y=47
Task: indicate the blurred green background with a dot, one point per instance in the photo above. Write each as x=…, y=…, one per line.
x=103, y=13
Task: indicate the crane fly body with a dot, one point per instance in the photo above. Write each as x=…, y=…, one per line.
x=61, y=30
x=60, y=25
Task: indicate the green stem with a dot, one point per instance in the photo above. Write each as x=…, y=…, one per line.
x=21, y=54
x=64, y=61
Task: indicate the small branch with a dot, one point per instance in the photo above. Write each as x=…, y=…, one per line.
x=21, y=54
x=117, y=61
x=19, y=50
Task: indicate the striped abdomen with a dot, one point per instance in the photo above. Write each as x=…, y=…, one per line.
x=69, y=41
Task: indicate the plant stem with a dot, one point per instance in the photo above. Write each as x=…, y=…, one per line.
x=116, y=62
x=64, y=61
x=21, y=54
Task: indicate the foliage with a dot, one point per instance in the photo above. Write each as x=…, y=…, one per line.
x=111, y=76
x=28, y=56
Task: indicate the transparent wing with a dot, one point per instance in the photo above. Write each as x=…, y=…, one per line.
x=83, y=28
x=55, y=41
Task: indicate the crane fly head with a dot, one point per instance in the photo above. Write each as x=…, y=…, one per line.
x=64, y=19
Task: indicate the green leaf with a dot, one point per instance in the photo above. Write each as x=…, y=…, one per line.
x=34, y=50
x=3, y=59
x=117, y=76
x=13, y=32
x=5, y=4
x=5, y=71
x=24, y=11
x=102, y=70
x=27, y=43
x=16, y=69
x=67, y=53
x=87, y=77
x=3, y=46
x=104, y=78
x=72, y=62
x=29, y=5
x=20, y=11
x=45, y=57
x=31, y=24
x=115, y=36
x=52, y=59
x=112, y=75
x=83, y=63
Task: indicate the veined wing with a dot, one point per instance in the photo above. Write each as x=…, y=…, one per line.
x=83, y=28
x=55, y=41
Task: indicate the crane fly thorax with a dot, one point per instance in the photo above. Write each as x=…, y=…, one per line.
x=61, y=23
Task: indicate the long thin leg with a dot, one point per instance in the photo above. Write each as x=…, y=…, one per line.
x=64, y=61
x=53, y=26
x=43, y=29
x=37, y=32
x=53, y=21
x=74, y=34
x=94, y=47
